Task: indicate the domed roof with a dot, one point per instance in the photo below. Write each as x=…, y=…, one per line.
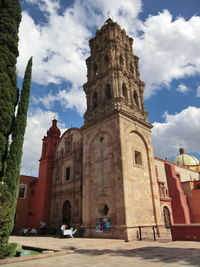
x=186, y=160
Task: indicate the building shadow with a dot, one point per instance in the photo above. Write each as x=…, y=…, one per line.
x=190, y=256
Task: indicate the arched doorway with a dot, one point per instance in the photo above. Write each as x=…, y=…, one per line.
x=66, y=212
x=167, y=220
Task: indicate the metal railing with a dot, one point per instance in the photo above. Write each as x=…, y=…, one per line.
x=140, y=234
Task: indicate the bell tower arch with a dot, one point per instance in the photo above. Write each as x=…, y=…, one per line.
x=118, y=163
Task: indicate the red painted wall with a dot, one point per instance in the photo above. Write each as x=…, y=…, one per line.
x=193, y=200
x=23, y=209
x=40, y=203
x=179, y=201
x=36, y=206
x=186, y=232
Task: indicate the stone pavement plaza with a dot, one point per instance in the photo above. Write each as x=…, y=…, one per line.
x=110, y=252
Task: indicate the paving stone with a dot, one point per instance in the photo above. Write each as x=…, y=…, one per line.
x=112, y=253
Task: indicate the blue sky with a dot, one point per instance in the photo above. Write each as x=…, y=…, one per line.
x=166, y=39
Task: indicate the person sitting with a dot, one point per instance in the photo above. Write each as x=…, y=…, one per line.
x=33, y=231
x=25, y=231
x=62, y=228
x=43, y=228
x=67, y=232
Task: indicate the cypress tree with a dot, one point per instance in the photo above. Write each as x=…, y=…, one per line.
x=10, y=17
x=10, y=157
x=9, y=187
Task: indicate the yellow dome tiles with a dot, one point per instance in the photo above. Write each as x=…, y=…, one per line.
x=187, y=161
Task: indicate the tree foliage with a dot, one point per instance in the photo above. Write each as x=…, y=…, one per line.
x=9, y=187
x=10, y=17
x=11, y=125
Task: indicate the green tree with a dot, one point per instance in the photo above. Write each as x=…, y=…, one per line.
x=10, y=17
x=10, y=156
x=9, y=187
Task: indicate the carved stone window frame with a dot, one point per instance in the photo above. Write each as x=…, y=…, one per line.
x=24, y=187
x=137, y=158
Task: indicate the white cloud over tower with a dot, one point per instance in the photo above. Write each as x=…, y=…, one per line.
x=180, y=129
x=37, y=125
x=168, y=47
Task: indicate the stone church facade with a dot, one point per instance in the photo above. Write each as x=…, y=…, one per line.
x=103, y=176
x=106, y=168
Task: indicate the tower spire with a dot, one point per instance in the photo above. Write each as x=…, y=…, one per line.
x=113, y=74
x=53, y=130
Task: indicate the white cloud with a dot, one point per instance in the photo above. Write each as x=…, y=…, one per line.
x=48, y=6
x=125, y=12
x=198, y=91
x=168, y=49
x=182, y=88
x=60, y=46
x=178, y=130
x=37, y=125
x=73, y=99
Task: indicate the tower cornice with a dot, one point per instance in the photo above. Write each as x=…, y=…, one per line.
x=118, y=112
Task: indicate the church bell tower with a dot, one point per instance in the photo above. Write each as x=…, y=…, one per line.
x=119, y=184
x=113, y=75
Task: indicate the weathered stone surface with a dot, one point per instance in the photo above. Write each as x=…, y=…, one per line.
x=116, y=135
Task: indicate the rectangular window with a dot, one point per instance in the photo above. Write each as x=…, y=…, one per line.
x=68, y=173
x=22, y=191
x=138, y=158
